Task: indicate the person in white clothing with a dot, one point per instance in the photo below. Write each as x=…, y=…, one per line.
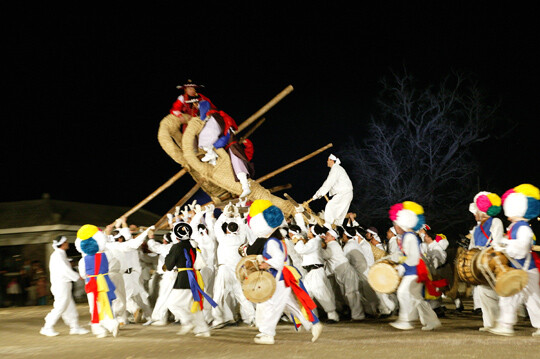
x=136, y=295
x=407, y=218
x=116, y=272
x=289, y=296
x=520, y=204
x=166, y=279
x=392, y=245
x=230, y=235
x=62, y=276
x=339, y=186
x=315, y=280
x=487, y=233
x=433, y=251
x=346, y=276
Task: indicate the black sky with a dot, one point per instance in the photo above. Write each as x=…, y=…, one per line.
x=87, y=87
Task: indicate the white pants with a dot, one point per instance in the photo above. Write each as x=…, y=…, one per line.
x=119, y=304
x=530, y=296
x=488, y=301
x=63, y=306
x=209, y=133
x=136, y=295
x=412, y=304
x=320, y=289
x=348, y=282
x=336, y=209
x=226, y=284
x=179, y=303
x=283, y=301
x=166, y=285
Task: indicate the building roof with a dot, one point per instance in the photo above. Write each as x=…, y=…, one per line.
x=46, y=212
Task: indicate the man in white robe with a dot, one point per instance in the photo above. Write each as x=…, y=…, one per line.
x=339, y=186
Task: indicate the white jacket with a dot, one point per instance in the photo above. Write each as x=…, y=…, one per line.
x=60, y=268
x=337, y=182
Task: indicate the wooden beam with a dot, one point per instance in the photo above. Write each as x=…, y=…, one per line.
x=292, y=164
x=155, y=193
x=163, y=220
x=265, y=108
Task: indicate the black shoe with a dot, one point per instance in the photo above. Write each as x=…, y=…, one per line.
x=331, y=321
x=440, y=311
x=477, y=311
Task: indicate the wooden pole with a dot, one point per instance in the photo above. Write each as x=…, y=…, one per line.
x=265, y=108
x=155, y=193
x=163, y=220
x=292, y=164
x=251, y=130
x=223, y=203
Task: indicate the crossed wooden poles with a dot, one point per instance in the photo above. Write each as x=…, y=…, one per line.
x=163, y=220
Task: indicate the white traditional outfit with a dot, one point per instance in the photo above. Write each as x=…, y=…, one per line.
x=165, y=282
x=225, y=283
x=345, y=275
x=62, y=276
x=339, y=186
x=520, y=204
x=136, y=295
x=290, y=295
x=315, y=280
x=486, y=233
x=409, y=216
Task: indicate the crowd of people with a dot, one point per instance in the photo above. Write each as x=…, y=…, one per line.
x=188, y=276
x=321, y=264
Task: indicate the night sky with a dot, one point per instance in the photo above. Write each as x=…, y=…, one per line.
x=85, y=88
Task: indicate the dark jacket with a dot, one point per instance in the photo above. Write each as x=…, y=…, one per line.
x=180, y=254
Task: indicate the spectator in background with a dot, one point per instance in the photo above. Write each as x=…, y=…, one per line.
x=42, y=291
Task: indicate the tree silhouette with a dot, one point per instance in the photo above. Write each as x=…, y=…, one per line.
x=418, y=148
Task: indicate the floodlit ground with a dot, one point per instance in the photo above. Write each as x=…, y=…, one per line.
x=458, y=338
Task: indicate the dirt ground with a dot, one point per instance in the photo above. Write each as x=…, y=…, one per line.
x=458, y=338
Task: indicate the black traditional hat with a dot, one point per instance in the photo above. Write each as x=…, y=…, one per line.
x=182, y=230
x=189, y=83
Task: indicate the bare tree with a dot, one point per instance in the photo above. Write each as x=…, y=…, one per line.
x=418, y=148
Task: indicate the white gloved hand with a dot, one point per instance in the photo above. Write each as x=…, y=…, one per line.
x=177, y=211
x=192, y=205
x=151, y=228
x=241, y=202
x=210, y=208
x=197, y=208
x=169, y=217
x=401, y=270
x=395, y=257
x=315, y=196
x=185, y=214
x=299, y=209
x=118, y=223
x=498, y=247
x=227, y=210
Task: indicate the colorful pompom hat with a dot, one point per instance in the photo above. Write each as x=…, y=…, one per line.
x=486, y=202
x=407, y=215
x=90, y=239
x=522, y=201
x=264, y=218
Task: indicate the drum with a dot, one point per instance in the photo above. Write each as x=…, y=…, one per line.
x=489, y=267
x=508, y=280
x=383, y=276
x=246, y=265
x=466, y=267
x=259, y=286
x=377, y=252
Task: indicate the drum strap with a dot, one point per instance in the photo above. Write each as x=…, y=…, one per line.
x=489, y=238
